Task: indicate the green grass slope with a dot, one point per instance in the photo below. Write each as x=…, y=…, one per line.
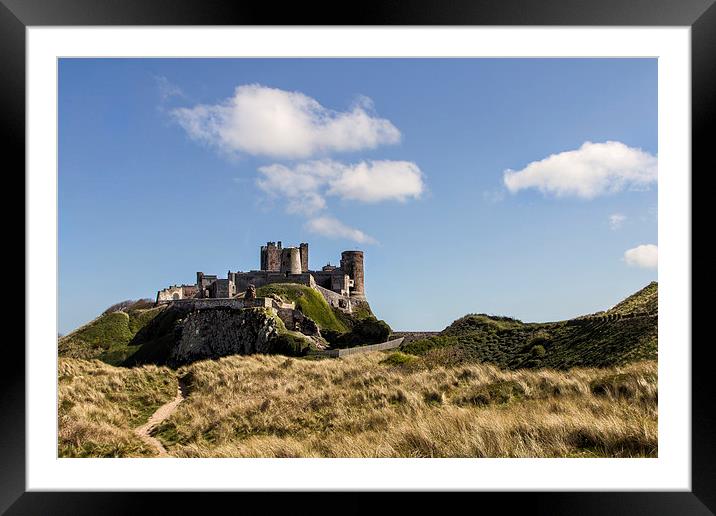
x=107, y=338
x=308, y=300
x=607, y=339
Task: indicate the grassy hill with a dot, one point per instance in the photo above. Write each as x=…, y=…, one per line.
x=107, y=338
x=606, y=339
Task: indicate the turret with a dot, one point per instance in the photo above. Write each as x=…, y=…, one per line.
x=352, y=264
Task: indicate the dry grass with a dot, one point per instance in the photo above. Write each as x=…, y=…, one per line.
x=99, y=405
x=360, y=406
x=364, y=406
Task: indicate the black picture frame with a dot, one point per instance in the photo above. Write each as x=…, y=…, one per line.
x=700, y=15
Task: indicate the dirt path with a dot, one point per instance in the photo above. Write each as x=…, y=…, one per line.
x=160, y=415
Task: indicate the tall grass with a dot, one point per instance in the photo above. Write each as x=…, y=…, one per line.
x=99, y=406
x=365, y=406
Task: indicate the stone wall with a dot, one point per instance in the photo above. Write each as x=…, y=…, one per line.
x=338, y=353
x=336, y=300
x=259, y=278
x=222, y=288
x=175, y=292
x=234, y=302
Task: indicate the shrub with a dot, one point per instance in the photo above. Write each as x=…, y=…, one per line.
x=423, y=346
x=538, y=350
x=433, y=397
x=541, y=338
x=366, y=331
x=291, y=345
x=495, y=393
x=398, y=359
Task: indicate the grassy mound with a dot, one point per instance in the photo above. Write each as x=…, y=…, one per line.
x=108, y=337
x=308, y=300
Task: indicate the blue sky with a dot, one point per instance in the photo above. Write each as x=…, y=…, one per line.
x=440, y=170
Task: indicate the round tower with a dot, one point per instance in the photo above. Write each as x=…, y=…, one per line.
x=291, y=260
x=352, y=264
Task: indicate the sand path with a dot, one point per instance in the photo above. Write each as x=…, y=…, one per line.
x=163, y=412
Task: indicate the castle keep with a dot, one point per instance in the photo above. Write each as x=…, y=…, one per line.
x=341, y=286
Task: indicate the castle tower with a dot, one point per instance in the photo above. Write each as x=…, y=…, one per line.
x=304, y=257
x=291, y=260
x=271, y=256
x=352, y=264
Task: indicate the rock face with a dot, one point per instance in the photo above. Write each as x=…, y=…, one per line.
x=220, y=332
x=181, y=335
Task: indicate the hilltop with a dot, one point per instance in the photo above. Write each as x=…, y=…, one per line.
x=645, y=301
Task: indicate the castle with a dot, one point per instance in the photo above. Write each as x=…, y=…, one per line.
x=341, y=286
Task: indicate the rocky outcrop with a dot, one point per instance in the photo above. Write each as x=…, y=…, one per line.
x=180, y=336
x=223, y=331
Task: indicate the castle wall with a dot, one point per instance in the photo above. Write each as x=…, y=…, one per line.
x=169, y=294
x=176, y=292
x=336, y=280
x=336, y=300
x=222, y=288
x=259, y=278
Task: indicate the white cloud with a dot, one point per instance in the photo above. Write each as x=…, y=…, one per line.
x=646, y=256
x=616, y=220
x=334, y=228
x=259, y=120
x=306, y=185
x=592, y=170
x=307, y=204
x=376, y=181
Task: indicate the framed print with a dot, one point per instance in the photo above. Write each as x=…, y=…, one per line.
x=426, y=249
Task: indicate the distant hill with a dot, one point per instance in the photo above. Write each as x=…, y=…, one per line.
x=107, y=338
x=625, y=333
